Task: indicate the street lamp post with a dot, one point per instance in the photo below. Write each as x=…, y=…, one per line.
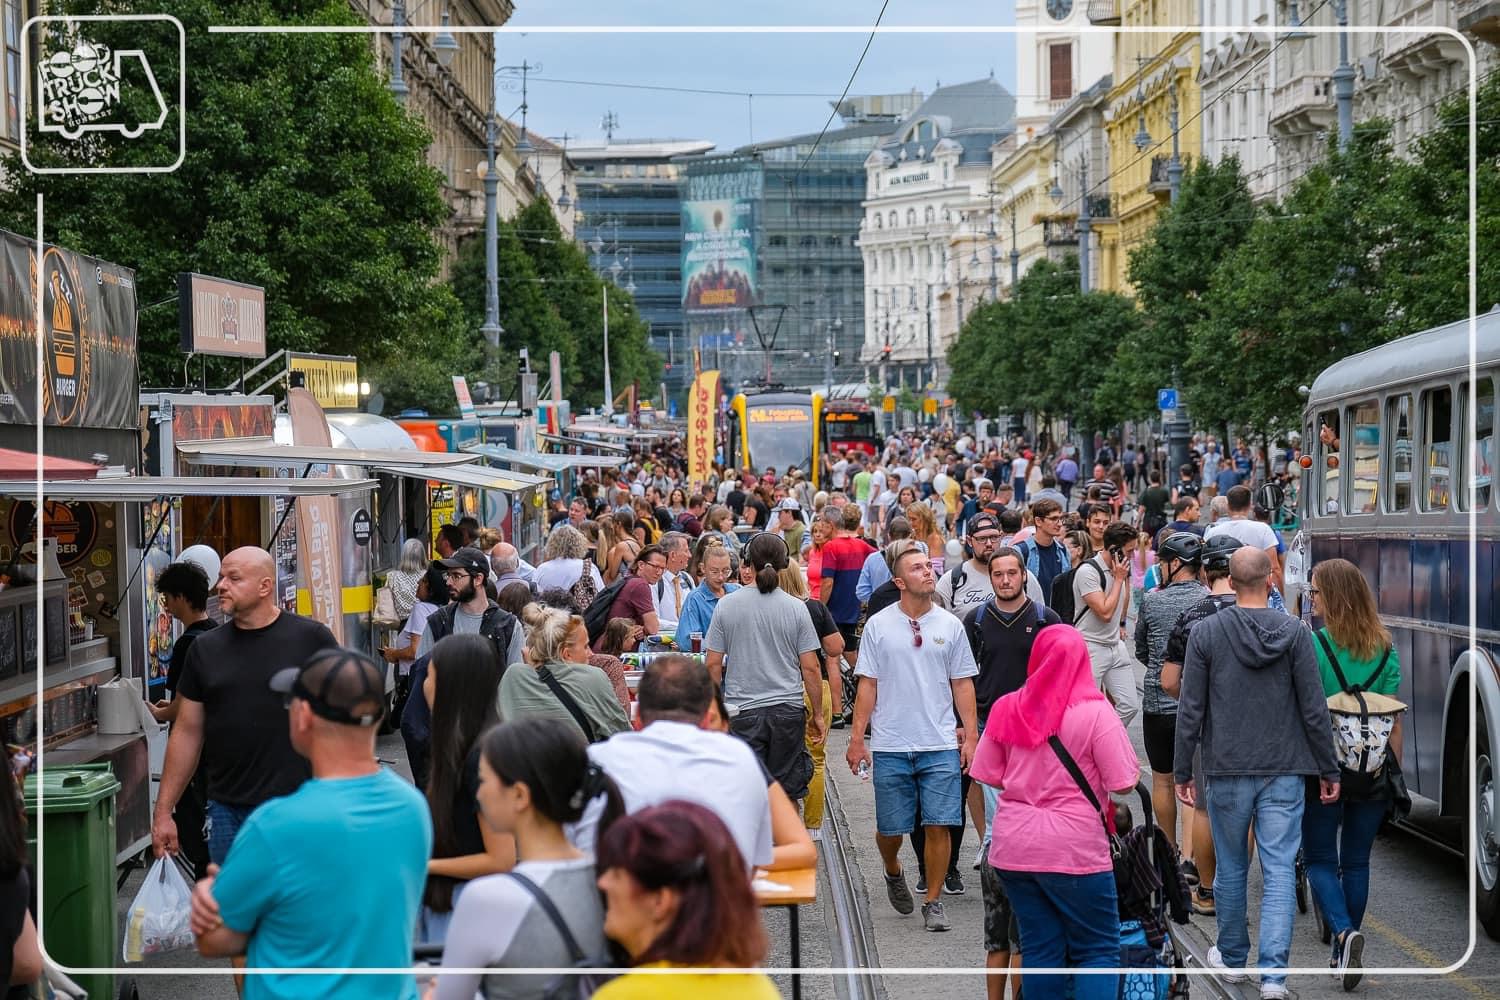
x=1174, y=165
x=1343, y=78
x=445, y=45
x=1085, y=223
x=491, y=328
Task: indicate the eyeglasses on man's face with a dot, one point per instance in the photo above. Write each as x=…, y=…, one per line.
x=457, y=574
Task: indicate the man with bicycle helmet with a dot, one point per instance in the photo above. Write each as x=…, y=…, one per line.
x=1213, y=557
x=1179, y=558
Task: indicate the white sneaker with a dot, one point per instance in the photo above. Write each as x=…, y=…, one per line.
x=1216, y=962
x=815, y=833
x=980, y=853
x=1273, y=991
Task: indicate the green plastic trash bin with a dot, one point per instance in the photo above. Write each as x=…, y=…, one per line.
x=80, y=923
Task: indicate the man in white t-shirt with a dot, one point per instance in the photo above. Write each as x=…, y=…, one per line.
x=968, y=583
x=672, y=757
x=1239, y=524
x=840, y=471
x=915, y=666
x=1101, y=594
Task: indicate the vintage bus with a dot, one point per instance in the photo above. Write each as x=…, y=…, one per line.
x=1398, y=477
x=775, y=429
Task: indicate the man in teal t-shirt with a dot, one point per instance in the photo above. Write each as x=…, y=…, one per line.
x=331, y=876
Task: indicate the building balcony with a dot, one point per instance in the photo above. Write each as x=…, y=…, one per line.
x=1102, y=207
x=1059, y=232
x=1159, y=183
x=1479, y=19
x=1104, y=11
x=1414, y=54
x=1303, y=104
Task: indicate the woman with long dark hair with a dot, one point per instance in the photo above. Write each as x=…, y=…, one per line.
x=20, y=951
x=1337, y=837
x=677, y=897
x=462, y=677
x=535, y=776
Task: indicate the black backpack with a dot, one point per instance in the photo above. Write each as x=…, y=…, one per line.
x=596, y=615
x=1061, y=598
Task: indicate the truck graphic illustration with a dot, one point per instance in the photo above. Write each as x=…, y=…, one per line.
x=79, y=90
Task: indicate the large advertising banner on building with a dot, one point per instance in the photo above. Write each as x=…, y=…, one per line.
x=88, y=373
x=718, y=240
x=703, y=407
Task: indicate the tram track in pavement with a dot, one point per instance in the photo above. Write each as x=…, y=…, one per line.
x=853, y=936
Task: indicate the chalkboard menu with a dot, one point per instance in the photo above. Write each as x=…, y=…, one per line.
x=10, y=657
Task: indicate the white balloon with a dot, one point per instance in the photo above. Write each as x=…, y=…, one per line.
x=940, y=482
x=923, y=475
x=953, y=548
x=205, y=558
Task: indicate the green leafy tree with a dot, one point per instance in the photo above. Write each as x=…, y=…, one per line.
x=1428, y=276
x=1170, y=271
x=302, y=174
x=1308, y=285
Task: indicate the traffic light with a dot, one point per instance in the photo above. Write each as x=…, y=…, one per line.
x=885, y=353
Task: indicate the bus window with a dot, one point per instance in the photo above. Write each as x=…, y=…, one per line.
x=1437, y=446
x=1328, y=465
x=1398, y=422
x=1479, y=455
x=1364, y=452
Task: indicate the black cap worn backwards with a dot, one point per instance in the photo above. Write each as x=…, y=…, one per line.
x=339, y=685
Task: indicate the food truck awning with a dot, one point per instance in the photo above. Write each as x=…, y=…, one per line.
x=472, y=475
x=610, y=430
x=263, y=453
x=539, y=460
x=144, y=488
x=573, y=442
x=21, y=465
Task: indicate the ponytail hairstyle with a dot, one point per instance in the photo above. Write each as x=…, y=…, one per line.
x=767, y=554
x=551, y=758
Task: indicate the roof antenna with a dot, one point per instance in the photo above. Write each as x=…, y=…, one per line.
x=609, y=123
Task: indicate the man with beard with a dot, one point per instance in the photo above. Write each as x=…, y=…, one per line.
x=472, y=612
x=967, y=584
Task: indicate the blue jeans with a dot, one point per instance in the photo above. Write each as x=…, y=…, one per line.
x=931, y=777
x=1066, y=921
x=224, y=821
x=1274, y=805
x=1338, y=865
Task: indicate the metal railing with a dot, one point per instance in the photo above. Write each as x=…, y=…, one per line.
x=1104, y=11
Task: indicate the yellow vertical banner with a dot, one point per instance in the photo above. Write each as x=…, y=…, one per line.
x=702, y=409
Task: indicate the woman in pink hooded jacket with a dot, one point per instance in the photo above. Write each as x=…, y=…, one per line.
x=1048, y=841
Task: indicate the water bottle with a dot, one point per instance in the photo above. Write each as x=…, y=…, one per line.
x=863, y=770
x=135, y=950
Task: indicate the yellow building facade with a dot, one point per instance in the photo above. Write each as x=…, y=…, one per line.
x=1150, y=69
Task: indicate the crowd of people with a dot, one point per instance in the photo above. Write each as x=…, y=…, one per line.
x=964, y=610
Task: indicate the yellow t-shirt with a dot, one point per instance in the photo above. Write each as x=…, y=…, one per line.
x=951, y=496
x=689, y=986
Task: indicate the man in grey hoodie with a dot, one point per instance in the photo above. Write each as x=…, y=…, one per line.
x=1252, y=698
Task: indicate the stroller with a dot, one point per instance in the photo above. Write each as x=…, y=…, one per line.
x=1150, y=889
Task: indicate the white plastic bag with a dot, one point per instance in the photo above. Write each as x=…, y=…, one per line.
x=160, y=917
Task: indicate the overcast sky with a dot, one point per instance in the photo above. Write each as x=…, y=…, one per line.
x=812, y=64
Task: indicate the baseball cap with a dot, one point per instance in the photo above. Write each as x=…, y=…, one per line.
x=984, y=522
x=786, y=503
x=339, y=685
x=467, y=558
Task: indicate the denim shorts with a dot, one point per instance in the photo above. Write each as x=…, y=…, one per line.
x=900, y=777
x=224, y=821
